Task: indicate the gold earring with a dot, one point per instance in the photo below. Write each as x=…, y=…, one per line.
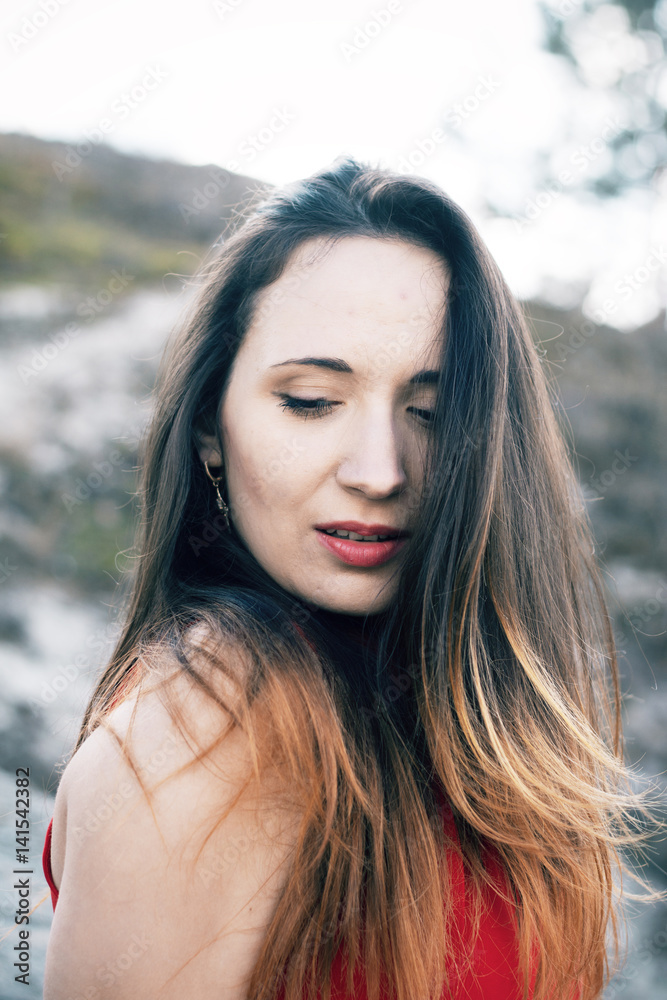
x=219, y=501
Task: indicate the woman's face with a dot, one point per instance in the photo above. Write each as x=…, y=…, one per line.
x=370, y=311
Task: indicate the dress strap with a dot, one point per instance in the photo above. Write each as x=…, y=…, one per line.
x=46, y=864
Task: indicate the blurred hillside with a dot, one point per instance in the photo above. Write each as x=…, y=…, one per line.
x=611, y=400
x=72, y=213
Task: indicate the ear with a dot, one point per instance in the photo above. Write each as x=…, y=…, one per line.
x=208, y=449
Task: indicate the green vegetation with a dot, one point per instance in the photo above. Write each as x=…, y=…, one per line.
x=74, y=227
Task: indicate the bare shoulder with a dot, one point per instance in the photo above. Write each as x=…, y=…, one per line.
x=143, y=889
x=154, y=741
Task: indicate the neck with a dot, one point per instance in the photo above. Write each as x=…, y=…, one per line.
x=358, y=627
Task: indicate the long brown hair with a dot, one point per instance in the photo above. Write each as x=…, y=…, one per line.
x=492, y=676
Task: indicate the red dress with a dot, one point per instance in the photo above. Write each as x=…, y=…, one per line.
x=494, y=973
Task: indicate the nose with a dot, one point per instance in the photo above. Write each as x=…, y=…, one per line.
x=373, y=459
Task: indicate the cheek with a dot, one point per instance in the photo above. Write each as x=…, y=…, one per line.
x=265, y=468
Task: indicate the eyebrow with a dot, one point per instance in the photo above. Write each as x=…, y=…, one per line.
x=428, y=376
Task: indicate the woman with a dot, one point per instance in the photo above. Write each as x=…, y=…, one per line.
x=361, y=730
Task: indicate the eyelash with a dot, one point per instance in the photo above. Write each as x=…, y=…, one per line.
x=306, y=407
x=321, y=407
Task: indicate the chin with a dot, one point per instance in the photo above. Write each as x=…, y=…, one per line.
x=370, y=605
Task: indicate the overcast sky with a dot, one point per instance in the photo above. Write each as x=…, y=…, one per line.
x=461, y=93
x=371, y=78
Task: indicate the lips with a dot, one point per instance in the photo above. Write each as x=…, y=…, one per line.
x=365, y=555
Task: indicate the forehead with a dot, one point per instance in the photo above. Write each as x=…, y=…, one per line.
x=357, y=294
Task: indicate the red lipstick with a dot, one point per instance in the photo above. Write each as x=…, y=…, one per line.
x=357, y=553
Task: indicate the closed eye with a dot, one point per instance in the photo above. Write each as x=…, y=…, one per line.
x=321, y=407
x=306, y=407
x=424, y=414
